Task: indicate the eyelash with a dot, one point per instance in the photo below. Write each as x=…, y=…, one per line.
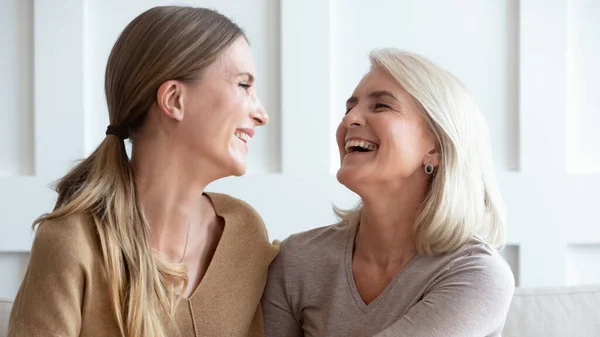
x=244, y=85
x=380, y=105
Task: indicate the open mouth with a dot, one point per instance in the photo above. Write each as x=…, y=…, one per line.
x=354, y=145
x=242, y=136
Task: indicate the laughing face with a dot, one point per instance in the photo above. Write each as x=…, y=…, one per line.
x=222, y=113
x=383, y=139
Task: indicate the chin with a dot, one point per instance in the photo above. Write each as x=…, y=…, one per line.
x=347, y=178
x=238, y=169
x=239, y=173
x=355, y=181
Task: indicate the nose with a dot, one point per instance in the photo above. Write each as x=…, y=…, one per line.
x=259, y=114
x=353, y=118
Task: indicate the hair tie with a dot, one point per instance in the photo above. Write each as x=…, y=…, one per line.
x=118, y=131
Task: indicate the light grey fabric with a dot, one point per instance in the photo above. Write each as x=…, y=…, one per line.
x=554, y=312
x=5, y=306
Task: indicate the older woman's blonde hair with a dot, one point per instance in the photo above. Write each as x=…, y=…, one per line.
x=464, y=199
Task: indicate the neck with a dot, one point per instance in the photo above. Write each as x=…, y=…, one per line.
x=171, y=196
x=386, y=231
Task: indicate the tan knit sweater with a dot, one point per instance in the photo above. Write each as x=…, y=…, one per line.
x=64, y=292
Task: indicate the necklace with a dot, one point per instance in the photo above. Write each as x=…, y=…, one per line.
x=187, y=238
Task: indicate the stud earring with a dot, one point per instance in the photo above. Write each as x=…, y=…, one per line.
x=429, y=168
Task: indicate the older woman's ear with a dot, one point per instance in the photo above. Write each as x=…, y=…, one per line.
x=432, y=157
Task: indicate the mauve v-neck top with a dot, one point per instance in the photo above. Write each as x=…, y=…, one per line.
x=311, y=291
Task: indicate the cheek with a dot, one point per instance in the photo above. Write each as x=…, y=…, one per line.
x=206, y=107
x=237, y=105
x=208, y=120
x=227, y=112
x=415, y=142
x=404, y=142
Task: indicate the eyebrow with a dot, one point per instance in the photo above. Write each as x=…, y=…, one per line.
x=374, y=94
x=245, y=73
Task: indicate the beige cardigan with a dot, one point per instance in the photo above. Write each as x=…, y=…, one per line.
x=64, y=290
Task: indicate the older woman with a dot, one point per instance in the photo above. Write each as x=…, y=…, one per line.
x=417, y=257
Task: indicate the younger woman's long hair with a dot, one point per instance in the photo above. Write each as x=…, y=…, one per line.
x=161, y=44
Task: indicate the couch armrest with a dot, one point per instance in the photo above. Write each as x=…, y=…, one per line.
x=560, y=311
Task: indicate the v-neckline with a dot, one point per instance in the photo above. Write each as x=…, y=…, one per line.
x=217, y=253
x=358, y=300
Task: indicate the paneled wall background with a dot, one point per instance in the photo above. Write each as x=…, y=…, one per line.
x=533, y=66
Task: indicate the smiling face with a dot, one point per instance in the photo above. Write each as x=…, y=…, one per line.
x=224, y=109
x=383, y=139
x=215, y=116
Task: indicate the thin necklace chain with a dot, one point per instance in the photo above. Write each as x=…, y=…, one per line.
x=187, y=238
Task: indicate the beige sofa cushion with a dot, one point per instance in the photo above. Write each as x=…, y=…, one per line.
x=5, y=306
x=549, y=312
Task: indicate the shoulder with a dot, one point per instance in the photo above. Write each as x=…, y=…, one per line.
x=317, y=247
x=71, y=238
x=482, y=267
x=238, y=213
x=474, y=281
x=317, y=239
x=480, y=256
x=225, y=204
x=63, y=258
x=247, y=223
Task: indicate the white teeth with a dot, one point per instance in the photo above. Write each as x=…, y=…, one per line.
x=242, y=135
x=360, y=143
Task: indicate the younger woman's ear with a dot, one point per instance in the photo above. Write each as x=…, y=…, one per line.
x=170, y=99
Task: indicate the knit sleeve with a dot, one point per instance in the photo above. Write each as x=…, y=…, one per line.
x=49, y=300
x=471, y=298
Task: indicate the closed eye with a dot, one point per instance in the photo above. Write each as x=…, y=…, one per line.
x=381, y=106
x=244, y=85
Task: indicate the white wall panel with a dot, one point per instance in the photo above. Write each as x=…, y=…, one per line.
x=12, y=270
x=583, y=101
x=16, y=87
x=511, y=254
x=583, y=264
x=59, y=86
x=542, y=85
x=306, y=86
